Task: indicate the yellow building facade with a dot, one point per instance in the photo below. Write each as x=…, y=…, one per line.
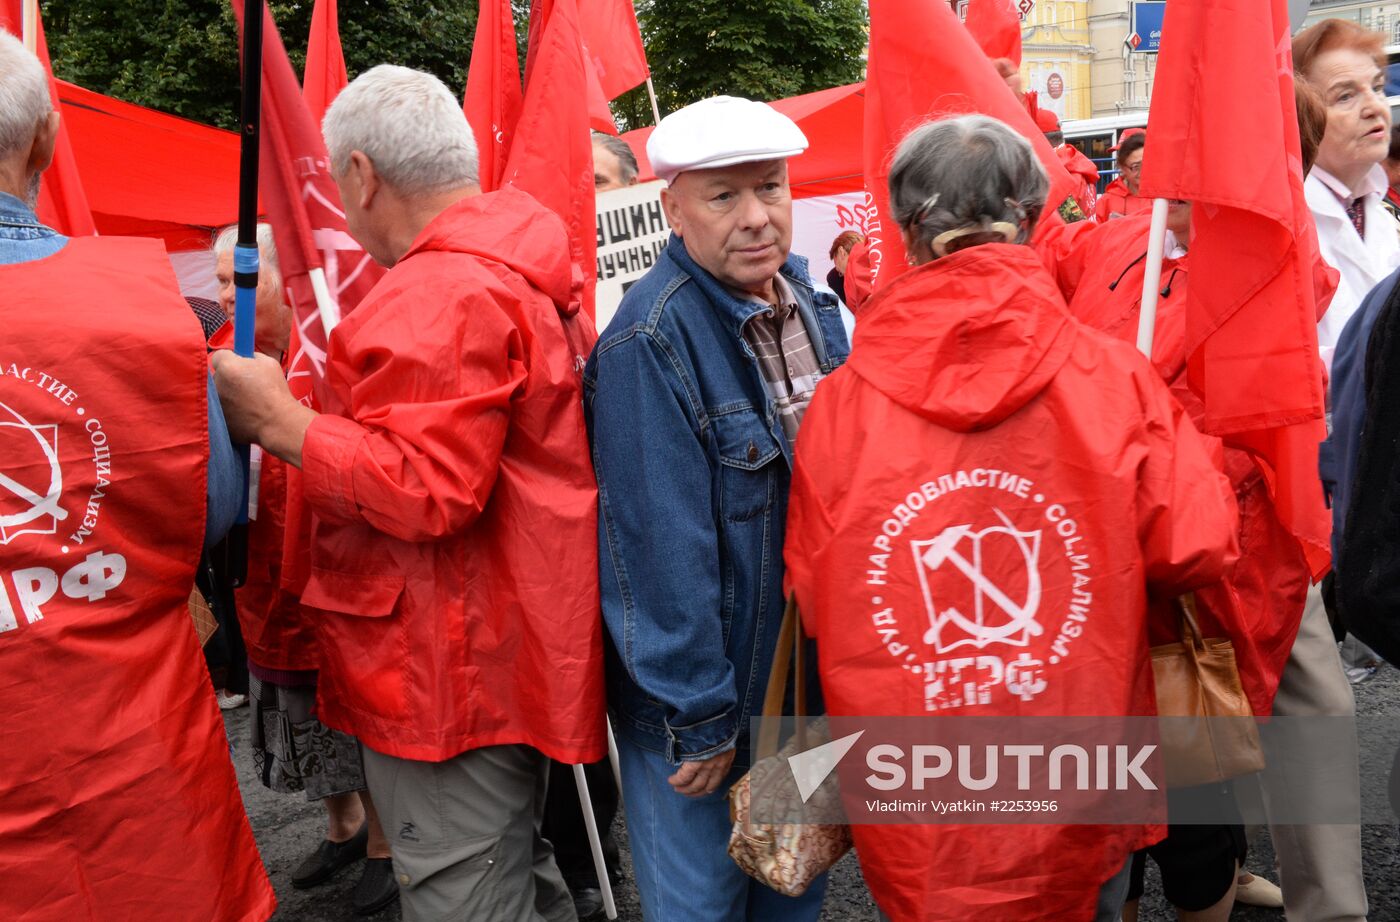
x=1057, y=56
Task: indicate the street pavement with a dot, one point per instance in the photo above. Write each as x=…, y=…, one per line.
x=288, y=828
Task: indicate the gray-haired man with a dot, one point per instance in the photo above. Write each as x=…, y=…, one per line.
x=453, y=557
x=614, y=164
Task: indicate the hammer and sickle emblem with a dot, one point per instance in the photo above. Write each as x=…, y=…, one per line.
x=34, y=505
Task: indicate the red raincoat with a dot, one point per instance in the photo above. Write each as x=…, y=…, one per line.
x=1117, y=200
x=277, y=631
x=279, y=634
x=1020, y=419
x=117, y=797
x=1260, y=605
x=454, y=552
x=1083, y=171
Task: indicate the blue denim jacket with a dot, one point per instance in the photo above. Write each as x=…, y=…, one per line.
x=23, y=237
x=693, y=472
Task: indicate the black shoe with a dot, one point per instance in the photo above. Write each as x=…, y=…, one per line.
x=328, y=858
x=376, y=889
x=588, y=903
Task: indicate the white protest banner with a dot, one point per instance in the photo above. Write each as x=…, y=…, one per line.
x=817, y=221
x=632, y=231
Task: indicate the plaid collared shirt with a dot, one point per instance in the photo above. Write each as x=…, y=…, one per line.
x=780, y=341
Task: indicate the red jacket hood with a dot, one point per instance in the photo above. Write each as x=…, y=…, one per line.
x=1077, y=164
x=509, y=227
x=992, y=331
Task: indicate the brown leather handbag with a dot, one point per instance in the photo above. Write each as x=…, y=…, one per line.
x=205, y=624
x=785, y=856
x=1198, y=678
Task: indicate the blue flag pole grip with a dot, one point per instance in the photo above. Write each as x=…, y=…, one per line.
x=245, y=298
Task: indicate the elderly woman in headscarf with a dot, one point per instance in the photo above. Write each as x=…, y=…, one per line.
x=973, y=420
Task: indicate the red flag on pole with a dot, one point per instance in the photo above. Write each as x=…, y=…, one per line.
x=325, y=61
x=924, y=65
x=1251, y=313
x=493, y=96
x=996, y=25
x=614, y=44
x=63, y=204
x=325, y=272
x=551, y=155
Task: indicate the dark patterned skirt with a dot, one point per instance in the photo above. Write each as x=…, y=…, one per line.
x=293, y=751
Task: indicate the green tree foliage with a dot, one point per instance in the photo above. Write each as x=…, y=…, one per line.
x=181, y=56
x=761, y=49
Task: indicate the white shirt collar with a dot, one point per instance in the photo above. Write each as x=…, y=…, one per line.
x=1374, y=183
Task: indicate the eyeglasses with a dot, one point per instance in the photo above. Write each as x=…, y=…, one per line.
x=1133, y=167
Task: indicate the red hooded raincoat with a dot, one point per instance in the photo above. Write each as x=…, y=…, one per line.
x=1260, y=605
x=454, y=552
x=1022, y=420
x=1117, y=201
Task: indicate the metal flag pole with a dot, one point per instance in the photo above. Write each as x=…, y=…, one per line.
x=1156, y=243
x=245, y=252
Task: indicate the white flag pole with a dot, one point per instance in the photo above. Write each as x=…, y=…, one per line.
x=29, y=26
x=1156, y=243
x=655, y=109
x=595, y=844
x=325, y=304
x=613, y=759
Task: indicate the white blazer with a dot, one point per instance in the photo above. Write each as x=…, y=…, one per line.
x=1362, y=264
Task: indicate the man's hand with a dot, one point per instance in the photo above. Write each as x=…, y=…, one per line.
x=1012, y=75
x=258, y=406
x=696, y=779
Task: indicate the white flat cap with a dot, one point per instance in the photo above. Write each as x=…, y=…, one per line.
x=721, y=131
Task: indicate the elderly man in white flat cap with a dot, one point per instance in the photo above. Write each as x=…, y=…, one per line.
x=694, y=395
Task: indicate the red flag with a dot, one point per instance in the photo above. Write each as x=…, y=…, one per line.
x=614, y=44
x=540, y=11
x=600, y=116
x=551, y=156
x=996, y=25
x=325, y=61
x=493, y=97
x=1251, y=312
x=63, y=204
x=303, y=206
x=924, y=65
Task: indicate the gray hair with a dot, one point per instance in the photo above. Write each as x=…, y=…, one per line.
x=619, y=149
x=225, y=240
x=967, y=172
x=24, y=95
x=410, y=127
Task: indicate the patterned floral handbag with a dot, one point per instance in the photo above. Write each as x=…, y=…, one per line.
x=785, y=856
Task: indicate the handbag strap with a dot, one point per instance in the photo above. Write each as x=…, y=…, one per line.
x=789, y=649
x=1191, y=636
x=799, y=679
